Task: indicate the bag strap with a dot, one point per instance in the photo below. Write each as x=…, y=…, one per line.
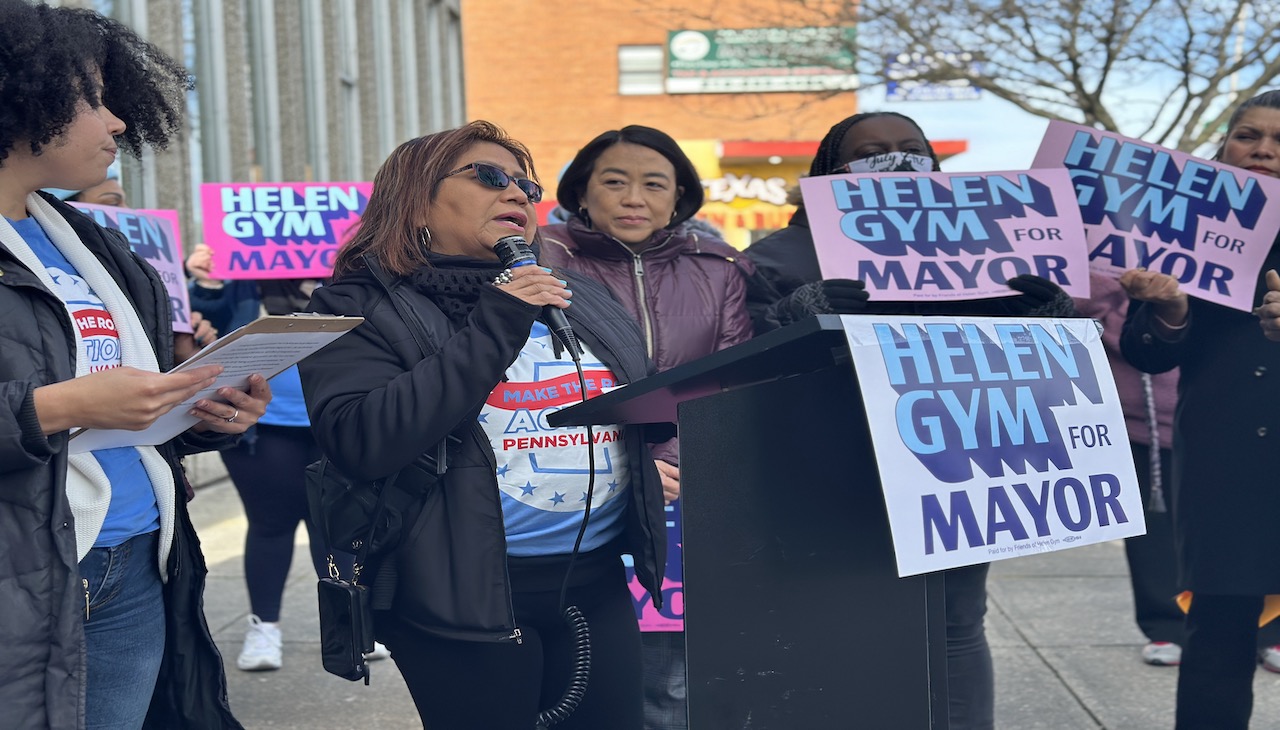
x=421, y=335
x=407, y=315
x=378, y=509
x=423, y=339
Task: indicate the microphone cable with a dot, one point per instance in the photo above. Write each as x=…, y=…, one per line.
x=577, y=688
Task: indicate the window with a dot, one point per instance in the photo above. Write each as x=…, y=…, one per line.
x=640, y=70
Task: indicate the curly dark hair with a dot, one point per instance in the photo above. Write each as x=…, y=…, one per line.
x=50, y=60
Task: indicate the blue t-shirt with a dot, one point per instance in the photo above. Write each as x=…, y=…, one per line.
x=286, y=407
x=543, y=472
x=133, y=509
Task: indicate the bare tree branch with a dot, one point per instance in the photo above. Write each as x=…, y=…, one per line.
x=1159, y=69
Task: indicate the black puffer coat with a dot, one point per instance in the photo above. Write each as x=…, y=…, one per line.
x=42, y=677
x=376, y=404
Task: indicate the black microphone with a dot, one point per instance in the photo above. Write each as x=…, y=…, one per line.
x=514, y=251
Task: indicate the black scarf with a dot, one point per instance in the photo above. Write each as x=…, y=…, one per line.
x=453, y=283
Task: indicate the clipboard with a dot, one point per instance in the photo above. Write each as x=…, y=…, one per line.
x=268, y=346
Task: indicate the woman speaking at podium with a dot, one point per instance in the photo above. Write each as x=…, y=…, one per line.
x=476, y=625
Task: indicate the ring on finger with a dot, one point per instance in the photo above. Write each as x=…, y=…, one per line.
x=234, y=415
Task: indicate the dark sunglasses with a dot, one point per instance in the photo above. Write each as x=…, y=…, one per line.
x=496, y=178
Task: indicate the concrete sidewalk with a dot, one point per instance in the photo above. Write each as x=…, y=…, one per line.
x=1060, y=626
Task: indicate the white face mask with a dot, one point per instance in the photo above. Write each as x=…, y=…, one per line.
x=892, y=162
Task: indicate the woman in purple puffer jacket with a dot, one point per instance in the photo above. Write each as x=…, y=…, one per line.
x=631, y=195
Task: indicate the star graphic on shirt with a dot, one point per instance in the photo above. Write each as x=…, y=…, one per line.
x=502, y=470
x=527, y=489
x=558, y=499
x=613, y=485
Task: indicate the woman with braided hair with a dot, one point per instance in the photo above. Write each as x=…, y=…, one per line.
x=879, y=142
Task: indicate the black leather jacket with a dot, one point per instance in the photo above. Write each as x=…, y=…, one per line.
x=376, y=404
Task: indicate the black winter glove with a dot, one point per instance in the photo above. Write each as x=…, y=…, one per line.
x=829, y=296
x=1040, y=298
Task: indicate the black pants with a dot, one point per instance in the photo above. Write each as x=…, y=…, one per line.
x=1215, y=681
x=1153, y=560
x=267, y=470
x=461, y=685
x=1153, y=569
x=970, y=672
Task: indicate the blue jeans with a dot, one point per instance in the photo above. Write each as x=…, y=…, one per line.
x=124, y=632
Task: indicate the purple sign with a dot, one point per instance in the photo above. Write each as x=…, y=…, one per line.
x=279, y=230
x=1207, y=224
x=153, y=235
x=671, y=616
x=947, y=236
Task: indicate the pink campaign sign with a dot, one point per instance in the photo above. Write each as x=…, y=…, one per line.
x=155, y=236
x=671, y=616
x=279, y=230
x=947, y=236
x=1143, y=206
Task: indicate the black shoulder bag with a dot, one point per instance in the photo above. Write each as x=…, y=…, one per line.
x=367, y=519
x=346, y=615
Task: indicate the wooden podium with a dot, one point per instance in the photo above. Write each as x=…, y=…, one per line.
x=795, y=617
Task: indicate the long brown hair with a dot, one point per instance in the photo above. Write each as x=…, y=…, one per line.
x=391, y=227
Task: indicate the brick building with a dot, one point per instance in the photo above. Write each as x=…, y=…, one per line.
x=555, y=74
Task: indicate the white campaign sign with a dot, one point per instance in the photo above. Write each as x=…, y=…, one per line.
x=994, y=437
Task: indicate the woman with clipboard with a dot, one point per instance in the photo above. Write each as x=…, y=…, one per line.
x=103, y=572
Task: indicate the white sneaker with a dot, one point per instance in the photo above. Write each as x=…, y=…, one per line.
x=379, y=652
x=1162, y=654
x=261, y=650
x=1270, y=658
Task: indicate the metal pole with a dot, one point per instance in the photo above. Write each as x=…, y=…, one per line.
x=384, y=68
x=215, y=120
x=314, y=75
x=266, y=88
x=409, y=68
x=435, y=62
x=142, y=181
x=453, y=47
x=349, y=52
